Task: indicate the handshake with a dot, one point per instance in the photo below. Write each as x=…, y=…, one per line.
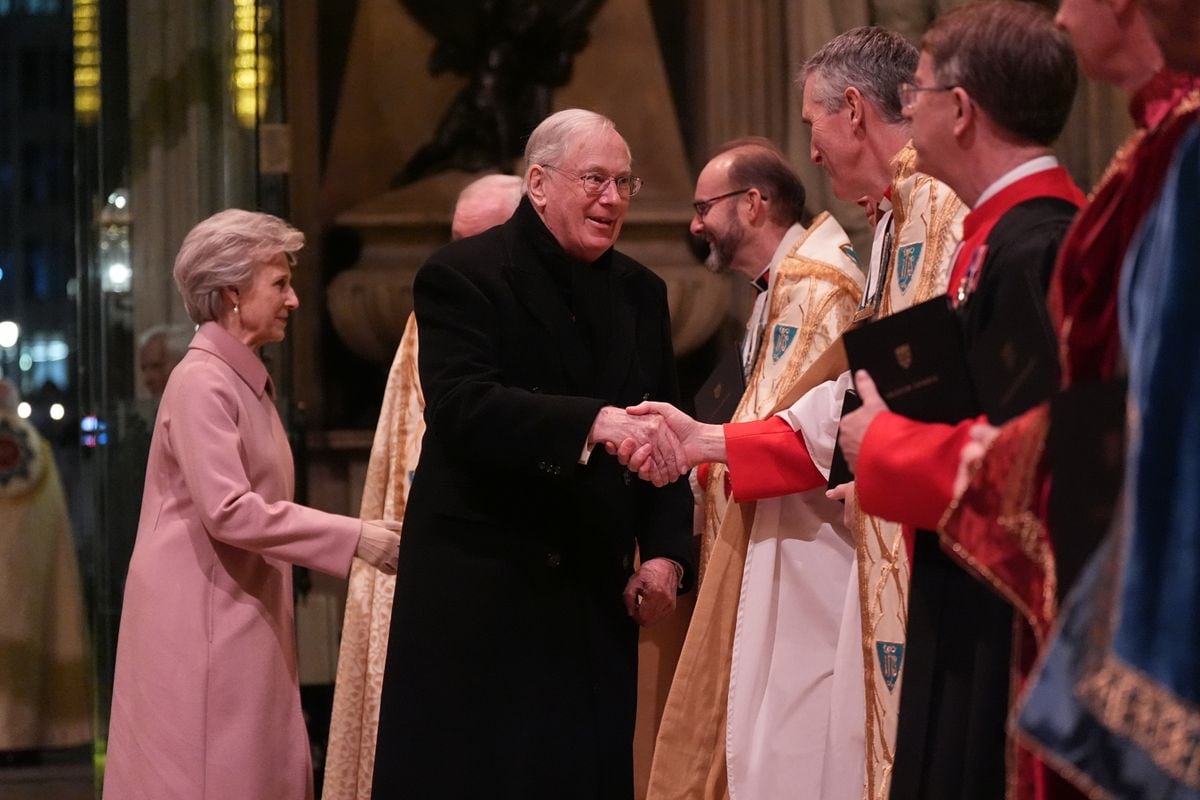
x=656, y=440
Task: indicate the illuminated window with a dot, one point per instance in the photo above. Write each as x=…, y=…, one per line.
x=252, y=66
x=87, y=60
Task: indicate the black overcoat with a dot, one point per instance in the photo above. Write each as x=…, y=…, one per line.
x=512, y=663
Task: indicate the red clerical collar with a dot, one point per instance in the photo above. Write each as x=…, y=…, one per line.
x=1054, y=182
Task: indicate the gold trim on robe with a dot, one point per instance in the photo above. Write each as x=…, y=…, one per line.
x=927, y=216
x=815, y=290
x=354, y=725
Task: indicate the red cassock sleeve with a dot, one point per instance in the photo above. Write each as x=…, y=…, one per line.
x=767, y=458
x=906, y=469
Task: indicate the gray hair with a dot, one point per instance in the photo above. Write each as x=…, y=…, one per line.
x=224, y=251
x=176, y=338
x=871, y=59
x=555, y=134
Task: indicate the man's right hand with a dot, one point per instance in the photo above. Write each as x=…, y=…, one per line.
x=700, y=442
x=659, y=449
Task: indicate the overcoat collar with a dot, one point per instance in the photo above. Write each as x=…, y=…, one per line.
x=212, y=338
x=539, y=267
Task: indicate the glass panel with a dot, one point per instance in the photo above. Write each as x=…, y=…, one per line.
x=122, y=124
x=46, y=526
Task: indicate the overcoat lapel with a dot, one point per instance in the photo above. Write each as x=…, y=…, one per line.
x=536, y=291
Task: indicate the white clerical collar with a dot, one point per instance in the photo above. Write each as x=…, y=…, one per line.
x=1030, y=167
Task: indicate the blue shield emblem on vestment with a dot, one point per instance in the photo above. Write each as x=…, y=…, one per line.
x=906, y=264
x=891, y=658
x=781, y=340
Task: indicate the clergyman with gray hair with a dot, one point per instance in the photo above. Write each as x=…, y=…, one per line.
x=512, y=656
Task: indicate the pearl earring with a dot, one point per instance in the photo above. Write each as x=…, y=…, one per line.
x=236, y=310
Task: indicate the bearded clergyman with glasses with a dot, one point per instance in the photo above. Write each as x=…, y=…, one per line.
x=512, y=657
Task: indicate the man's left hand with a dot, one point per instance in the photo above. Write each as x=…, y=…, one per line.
x=854, y=425
x=845, y=493
x=650, y=593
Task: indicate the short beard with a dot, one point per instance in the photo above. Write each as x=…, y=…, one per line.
x=722, y=249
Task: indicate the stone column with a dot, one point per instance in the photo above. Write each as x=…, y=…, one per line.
x=189, y=157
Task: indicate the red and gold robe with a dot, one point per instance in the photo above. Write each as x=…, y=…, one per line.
x=998, y=527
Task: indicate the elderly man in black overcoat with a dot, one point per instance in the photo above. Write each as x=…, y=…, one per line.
x=512, y=660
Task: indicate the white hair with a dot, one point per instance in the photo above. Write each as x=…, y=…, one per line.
x=555, y=134
x=224, y=251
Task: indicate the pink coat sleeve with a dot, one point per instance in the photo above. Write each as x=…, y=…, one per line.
x=235, y=461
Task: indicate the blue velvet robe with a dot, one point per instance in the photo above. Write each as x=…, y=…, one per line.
x=1116, y=704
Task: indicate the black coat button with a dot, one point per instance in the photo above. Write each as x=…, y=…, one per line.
x=553, y=559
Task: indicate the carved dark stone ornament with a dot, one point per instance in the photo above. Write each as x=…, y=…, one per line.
x=514, y=54
x=515, y=62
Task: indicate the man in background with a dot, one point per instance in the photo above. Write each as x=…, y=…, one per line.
x=159, y=349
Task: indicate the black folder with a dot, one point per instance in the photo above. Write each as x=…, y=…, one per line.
x=917, y=362
x=718, y=398
x=922, y=369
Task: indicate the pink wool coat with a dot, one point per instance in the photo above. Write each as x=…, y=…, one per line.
x=206, y=702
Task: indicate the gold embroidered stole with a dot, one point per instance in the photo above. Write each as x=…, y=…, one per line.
x=928, y=224
x=806, y=314
x=815, y=291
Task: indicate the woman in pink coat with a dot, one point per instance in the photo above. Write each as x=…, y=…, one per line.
x=206, y=702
